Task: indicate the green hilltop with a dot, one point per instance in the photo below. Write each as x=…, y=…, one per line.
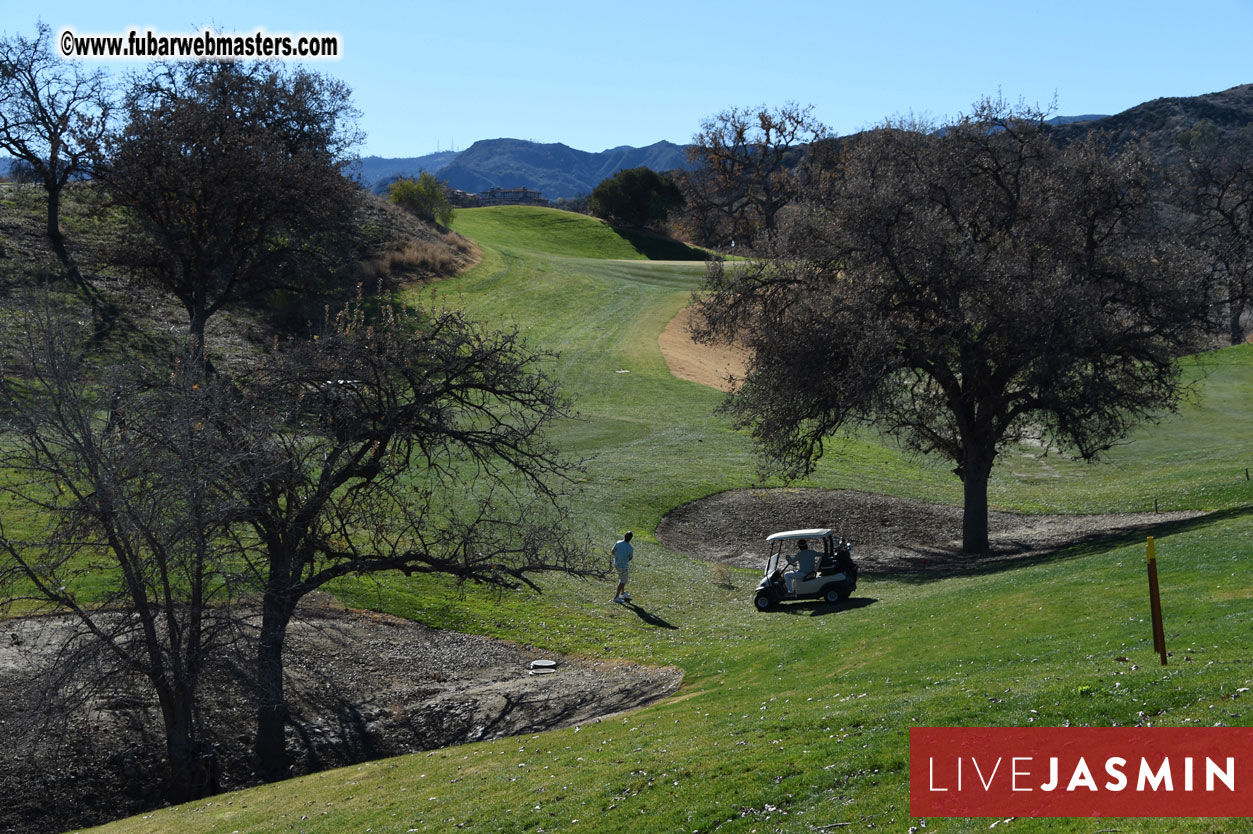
x=555, y=232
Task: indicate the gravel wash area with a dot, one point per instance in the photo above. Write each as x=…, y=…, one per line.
x=361, y=686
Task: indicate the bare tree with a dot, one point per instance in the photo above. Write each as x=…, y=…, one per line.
x=745, y=162
x=414, y=444
x=408, y=442
x=233, y=171
x=963, y=289
x=53, y=115
x=1218, y=191
x=116, y=512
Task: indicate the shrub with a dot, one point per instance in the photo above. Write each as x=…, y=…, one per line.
x=425, y=198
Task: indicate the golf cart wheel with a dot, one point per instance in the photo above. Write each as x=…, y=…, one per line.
x=832, y=594
x=762, y=602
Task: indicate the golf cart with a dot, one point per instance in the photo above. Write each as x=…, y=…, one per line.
x=834, y=576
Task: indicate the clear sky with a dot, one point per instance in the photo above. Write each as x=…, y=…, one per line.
x=433, y=76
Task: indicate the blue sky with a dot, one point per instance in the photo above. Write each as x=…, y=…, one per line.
x=438, y=76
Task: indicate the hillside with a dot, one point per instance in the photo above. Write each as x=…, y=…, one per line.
x=374, y=171
x=555, y=170
x=564, y=233
x=391, y=247
x=1164, y=122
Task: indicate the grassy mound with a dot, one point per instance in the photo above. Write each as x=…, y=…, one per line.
x=564, y=233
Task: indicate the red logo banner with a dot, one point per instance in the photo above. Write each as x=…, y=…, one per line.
x=1081, y=772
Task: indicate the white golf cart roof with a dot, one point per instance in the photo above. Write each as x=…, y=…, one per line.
x=816, y=533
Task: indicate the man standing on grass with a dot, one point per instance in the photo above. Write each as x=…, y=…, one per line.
x=622, y=552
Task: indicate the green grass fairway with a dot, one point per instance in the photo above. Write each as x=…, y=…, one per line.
x=795, y=720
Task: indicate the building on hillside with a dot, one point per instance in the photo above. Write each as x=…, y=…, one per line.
x=463, y=199
x=511, y=197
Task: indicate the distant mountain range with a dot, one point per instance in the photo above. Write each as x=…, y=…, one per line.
x=555, y=170
x=558, y=171
x=375, y=169
x=1070, y=120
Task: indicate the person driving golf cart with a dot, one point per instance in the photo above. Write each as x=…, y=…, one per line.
x=805, y=561
x=829, y=575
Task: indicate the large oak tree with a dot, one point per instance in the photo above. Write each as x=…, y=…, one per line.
x=1218, y=191
x=414, y=442
x=962, y=288
x=233, y=172
x=636, y=197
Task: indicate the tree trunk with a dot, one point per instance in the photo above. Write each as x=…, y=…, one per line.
x=57, y=241
x=976, y=468
x=270, y=747
x=197, y=322
x=192, y=762
x=55, y=237
x=1235, y=311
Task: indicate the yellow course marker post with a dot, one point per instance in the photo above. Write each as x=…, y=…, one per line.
x=1155, y=603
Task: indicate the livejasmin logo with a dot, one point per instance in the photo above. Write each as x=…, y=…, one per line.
x=1081, y=774
x=1081, y=771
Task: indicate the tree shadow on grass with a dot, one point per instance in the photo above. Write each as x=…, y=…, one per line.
x=658, y=247
x=931, y=564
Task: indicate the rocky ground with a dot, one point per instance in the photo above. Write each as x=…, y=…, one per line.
x=364, y=686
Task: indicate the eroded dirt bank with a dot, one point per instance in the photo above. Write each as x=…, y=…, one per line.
x=362, y=686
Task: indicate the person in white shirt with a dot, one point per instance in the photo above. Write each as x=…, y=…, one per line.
x=804, y=559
